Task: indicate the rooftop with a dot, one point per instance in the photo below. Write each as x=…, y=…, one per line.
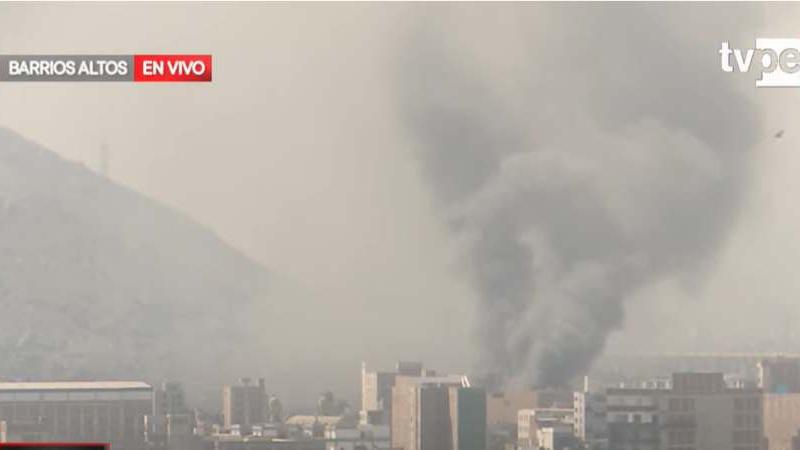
x=73, y=386
x=461, y=380
x=310, y=420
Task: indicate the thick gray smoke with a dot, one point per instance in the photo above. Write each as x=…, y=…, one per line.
x=596, y=149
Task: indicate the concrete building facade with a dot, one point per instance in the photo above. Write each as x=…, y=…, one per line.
x=701, y=412
x=244, y=404
x=376, y=396
x=633, y=418
x=698, y=411
x=437, y=413
x=376, y=390
x=540, y=425
x=779, y=375
x=781, y=420
x=468, y=418
x=109, y=411
x=590, y=423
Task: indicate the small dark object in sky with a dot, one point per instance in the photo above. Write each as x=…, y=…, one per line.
x=779, y=134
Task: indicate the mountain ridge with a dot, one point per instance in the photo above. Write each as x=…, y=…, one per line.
x=97, y=280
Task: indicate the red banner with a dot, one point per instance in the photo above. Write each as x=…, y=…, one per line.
x=171, y=68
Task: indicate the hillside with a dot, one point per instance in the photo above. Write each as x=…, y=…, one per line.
x=99, y=281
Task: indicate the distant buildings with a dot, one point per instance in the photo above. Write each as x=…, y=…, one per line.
x=502, y=407
x=590, y=423
x=376, y=390
x=413, y=408
x=779, y=375
x=376, y=395
x=556, y=436
x=363, y=437
x=244, y=404
x=109, y=411
x=432, y=412
x=698, y=411
x=743, y=367
x=315, y=426
x=171, y=426
x=413, y=369
x=781, y=420
x=545, y=428
x=265, y=444
x=633, y=418
x=468, y=418
x=169, y=399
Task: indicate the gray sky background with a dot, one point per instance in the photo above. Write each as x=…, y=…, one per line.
x=294, y=155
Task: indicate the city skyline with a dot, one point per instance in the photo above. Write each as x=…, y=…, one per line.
x=533, y=199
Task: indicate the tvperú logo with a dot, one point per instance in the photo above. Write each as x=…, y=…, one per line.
x=777, y=60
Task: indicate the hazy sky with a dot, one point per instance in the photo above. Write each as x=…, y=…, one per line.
x=294, y=155
x=291, y=155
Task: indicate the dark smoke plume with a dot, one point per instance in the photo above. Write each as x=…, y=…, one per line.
x=606, y=152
